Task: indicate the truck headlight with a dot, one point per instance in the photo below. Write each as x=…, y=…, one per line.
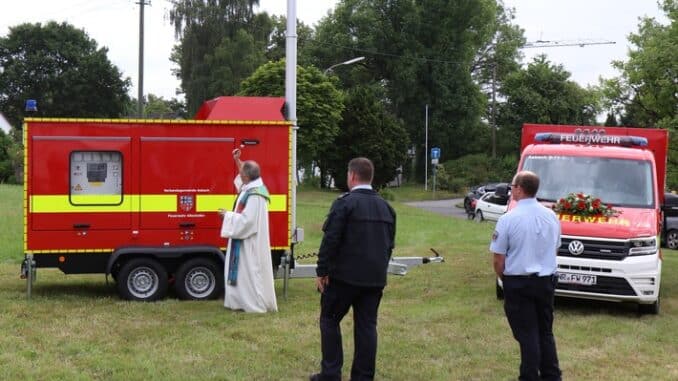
x=643, y=246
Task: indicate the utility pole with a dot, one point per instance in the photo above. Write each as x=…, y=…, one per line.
x=494, y=108
x=291, y=102
x=426, y=148
x=140, y=100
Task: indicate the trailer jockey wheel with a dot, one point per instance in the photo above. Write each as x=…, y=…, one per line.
x=198, y=279
x=142, y=279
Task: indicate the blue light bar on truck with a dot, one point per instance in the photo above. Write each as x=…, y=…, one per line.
x=594, y=139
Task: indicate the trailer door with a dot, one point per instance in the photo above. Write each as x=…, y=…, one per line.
x=184, y=180
x=78, y=183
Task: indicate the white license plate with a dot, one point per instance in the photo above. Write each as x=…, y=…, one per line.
x=572, y=278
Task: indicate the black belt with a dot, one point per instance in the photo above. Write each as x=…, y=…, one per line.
x=527, y=276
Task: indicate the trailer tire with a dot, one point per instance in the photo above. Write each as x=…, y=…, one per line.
x=672, y=239
x=142, y=279
x=198, y=279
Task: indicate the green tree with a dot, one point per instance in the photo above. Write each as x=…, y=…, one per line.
x=368, y=129
x=646, y=93
x=500, y=55
x=6, y=163
x=278, y=41
x=610, y=120
x=319, y=106
x=541, y=93
x=221, y=43
x=159, y=108
x=63, y=69
x=422, y=52
x=493, y=63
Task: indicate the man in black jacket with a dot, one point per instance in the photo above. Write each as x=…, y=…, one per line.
x=358, y=239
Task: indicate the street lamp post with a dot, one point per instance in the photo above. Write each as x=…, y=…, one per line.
x=351, y=61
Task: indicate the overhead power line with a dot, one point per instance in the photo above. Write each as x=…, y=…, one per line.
x=563, y=43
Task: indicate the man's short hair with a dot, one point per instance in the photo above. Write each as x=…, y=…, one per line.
x=250, y=168
x=528, y=181
x=363, y=168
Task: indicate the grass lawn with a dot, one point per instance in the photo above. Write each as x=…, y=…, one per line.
x=439, y=322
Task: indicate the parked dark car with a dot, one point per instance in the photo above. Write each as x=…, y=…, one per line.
x=670, y=227
x=670, y=232
x=484, y=188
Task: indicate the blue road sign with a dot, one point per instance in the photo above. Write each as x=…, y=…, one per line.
x=435, y=153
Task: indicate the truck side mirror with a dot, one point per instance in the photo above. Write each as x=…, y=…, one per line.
x=502, y=190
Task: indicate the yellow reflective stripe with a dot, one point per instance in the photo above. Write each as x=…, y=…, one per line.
x=61, y=204
x=278, y=203
x=69, y=251
x=104, y=203
x=212, y=202
x=145, y=203
x=158, y=203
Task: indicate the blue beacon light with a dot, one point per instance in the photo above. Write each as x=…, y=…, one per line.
x=31, y=105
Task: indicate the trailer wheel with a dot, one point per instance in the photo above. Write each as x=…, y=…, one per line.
x=142, y=279
x=672, y=239
x=198, y=279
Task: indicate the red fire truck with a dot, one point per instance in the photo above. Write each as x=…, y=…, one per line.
x=138, y=199
x=614, y=258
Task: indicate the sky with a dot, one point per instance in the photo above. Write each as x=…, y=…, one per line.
x=115, y=25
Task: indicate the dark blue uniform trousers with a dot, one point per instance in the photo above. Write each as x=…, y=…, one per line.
x=528, y=303
x=335, y=302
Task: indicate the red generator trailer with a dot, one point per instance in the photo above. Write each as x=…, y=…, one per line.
x=138, y=199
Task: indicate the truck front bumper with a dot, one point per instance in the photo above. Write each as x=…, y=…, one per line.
x=633, y=279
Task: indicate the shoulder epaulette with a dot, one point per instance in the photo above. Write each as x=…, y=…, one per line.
x=343, y=195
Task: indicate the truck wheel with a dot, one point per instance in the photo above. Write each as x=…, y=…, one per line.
x=142, y=279
x=198, y=279
x=672, y=239
x=649, y=309
x=479, y=215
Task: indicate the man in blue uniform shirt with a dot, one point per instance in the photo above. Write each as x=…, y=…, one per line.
x=525, y=243
x=358, y=239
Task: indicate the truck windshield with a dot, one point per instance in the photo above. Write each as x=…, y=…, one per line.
x=618, y=182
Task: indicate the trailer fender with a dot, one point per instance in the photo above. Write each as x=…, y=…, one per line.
x=162, y=253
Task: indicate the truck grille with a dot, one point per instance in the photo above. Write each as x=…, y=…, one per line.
x=596, y=249
x=604, y=285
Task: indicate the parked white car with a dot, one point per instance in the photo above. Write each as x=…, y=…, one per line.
x=491, y=207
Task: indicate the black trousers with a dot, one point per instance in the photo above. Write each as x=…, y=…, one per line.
x=528, y=303
x=334, y=304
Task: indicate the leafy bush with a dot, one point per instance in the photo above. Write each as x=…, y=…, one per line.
x=10, y=157
x=386, y=194
x=475, y=169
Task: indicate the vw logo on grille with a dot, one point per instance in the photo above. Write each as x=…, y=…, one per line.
x=575, y=247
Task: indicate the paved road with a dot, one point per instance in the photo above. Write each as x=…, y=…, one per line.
x=444, y=207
